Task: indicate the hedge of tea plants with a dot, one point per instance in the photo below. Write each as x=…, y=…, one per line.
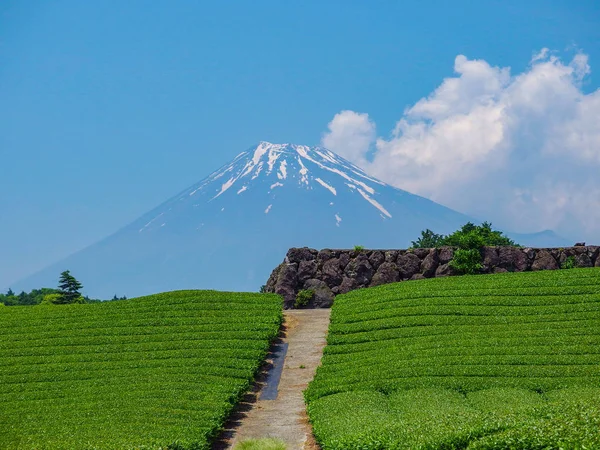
x=162, y=371
x=479, y=362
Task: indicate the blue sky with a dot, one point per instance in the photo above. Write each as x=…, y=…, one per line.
x=108, y=108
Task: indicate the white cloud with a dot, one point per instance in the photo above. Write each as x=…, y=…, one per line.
x=350, y=135
x=520, y=150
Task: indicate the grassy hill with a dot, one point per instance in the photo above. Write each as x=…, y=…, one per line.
x=482, y=362
x=161, y=371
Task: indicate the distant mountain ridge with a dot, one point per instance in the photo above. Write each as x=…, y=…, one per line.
x=231, y=229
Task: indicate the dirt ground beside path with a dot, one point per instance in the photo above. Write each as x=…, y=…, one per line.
x=285, y=417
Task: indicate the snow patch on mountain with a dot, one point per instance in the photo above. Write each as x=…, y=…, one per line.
x=150, y=223
x=282, y=174
x=326, y=186
x=373, y=202
x=225, y=186
x=303, y=172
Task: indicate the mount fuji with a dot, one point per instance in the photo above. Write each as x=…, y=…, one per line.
x=229, y=231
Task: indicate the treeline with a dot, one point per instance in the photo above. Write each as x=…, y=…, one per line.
x=67, y=292
x=468, y=241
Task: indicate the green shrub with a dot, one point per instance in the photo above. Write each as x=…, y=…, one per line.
x=304, y=297
x=428, y=239
x=466, y=262
x=469, y=240
x=51, y=299
x=469, y=236
x=569, y=263
x=358, y=248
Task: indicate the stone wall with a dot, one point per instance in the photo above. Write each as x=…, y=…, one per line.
x=331, y=272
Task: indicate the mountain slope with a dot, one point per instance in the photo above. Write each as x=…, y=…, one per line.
x=232, y=228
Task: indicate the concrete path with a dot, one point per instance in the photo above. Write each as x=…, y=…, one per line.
x=284, y=416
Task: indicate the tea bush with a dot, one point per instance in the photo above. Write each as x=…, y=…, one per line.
x=155, y=372
x=487, y=362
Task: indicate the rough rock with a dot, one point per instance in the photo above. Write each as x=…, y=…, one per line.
x=287, y=284
x=421, y=252
x=348, y=284
x=295, y=255
x=444, y=270
x=563, y=255
x=530, y=253
x=323, y=296
x=445, y=254
x=513, y=259
x=430, y=263
x=360, y=269
x=272, y=281
x=306, y=270
x=343, y=259
x=331, y=272
x=334, y=272
x=408, y=265
x=583, y=260
x=544, y=261
x=324, y=255
x=376, y=259
x=489, y=258
x=386, y=273
x=594, y=253
x=391, y=256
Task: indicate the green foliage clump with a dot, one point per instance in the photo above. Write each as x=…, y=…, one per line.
x=469, y=236
x=466, y=262
x=358, y=248
x=35, y=297
x=468, y=240
x=490, y=362
x=569, y=263
x=304, y=297
x=51, y=299
x=261, y=444
x=162, y=371
x=428, y=239
x=477, y=236
x=38, y=296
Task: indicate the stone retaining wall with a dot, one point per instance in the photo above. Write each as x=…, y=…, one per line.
x=331, y=272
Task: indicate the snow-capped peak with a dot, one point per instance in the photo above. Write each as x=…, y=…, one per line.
x=267, y=166
x=294, y=165
x=277, y=160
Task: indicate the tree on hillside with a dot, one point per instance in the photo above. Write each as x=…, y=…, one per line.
x=476, y=236
x=468, y=241
x=428, y=239
x=469, y=236
x=68, y=288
